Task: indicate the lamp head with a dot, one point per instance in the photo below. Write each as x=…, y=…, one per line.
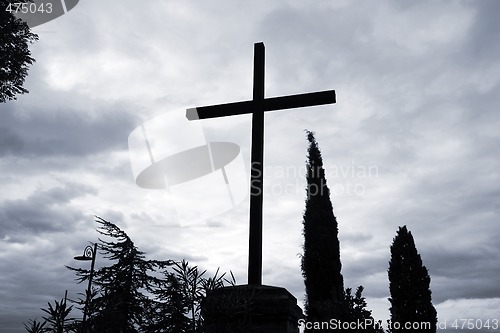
x=88, y=254
x=83, y=258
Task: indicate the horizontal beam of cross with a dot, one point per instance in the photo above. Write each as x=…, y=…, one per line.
x=268, y=104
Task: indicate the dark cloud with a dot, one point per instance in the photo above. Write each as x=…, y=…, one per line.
x=44, y=211
x=68, y=133
x=481, y=48
x=33, y=273
x=470, y=272
x=314, y=45
x=10, y=142
x=356, y=238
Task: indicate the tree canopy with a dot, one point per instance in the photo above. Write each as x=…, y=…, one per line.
x=133, y=294
x=321, y=266
x=326, y=298
x=409, y=280
x=15, y=56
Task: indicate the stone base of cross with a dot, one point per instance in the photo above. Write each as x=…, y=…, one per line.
x=257, y=106
x=251, y=308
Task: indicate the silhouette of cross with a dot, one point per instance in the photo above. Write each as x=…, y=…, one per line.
x=257, y=106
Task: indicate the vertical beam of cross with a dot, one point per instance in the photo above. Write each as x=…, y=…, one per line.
x=257, y=106
x=256, y=175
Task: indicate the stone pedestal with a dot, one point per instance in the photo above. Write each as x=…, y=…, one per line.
x=251, y=309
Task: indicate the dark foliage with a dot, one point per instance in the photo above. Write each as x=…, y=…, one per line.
x=184, y=293
x=34, y=326
x=58, y=316
x=138, y=295
x=169, y=313
x=321, y=266
x=121, y=302
x=15, y=56
x=326, y=298
x=356, y=312
x=409, y=283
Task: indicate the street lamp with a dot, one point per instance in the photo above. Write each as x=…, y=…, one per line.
x=88, y=255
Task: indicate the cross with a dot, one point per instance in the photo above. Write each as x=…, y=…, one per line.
x=257, y=106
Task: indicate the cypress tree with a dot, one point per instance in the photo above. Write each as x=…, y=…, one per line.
x=409, y=283
x=321, y=266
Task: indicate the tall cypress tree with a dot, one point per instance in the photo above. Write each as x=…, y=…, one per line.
x=409, y=283
x=321, y=266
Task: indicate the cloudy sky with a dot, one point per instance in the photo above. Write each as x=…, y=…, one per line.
x=412, y=140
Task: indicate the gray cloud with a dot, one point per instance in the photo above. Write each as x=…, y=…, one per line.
x=10, y=142
x=44, y=133
x=44, y=211
x=481, y=49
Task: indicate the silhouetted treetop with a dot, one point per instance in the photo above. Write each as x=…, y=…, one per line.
x=409, y=285
x=321, y=266
x=15, y=56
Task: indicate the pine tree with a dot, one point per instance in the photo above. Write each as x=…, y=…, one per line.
x=321, y=266
x=120, y=300
x=138, y=295
x=409, y=283
x=169, y=313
